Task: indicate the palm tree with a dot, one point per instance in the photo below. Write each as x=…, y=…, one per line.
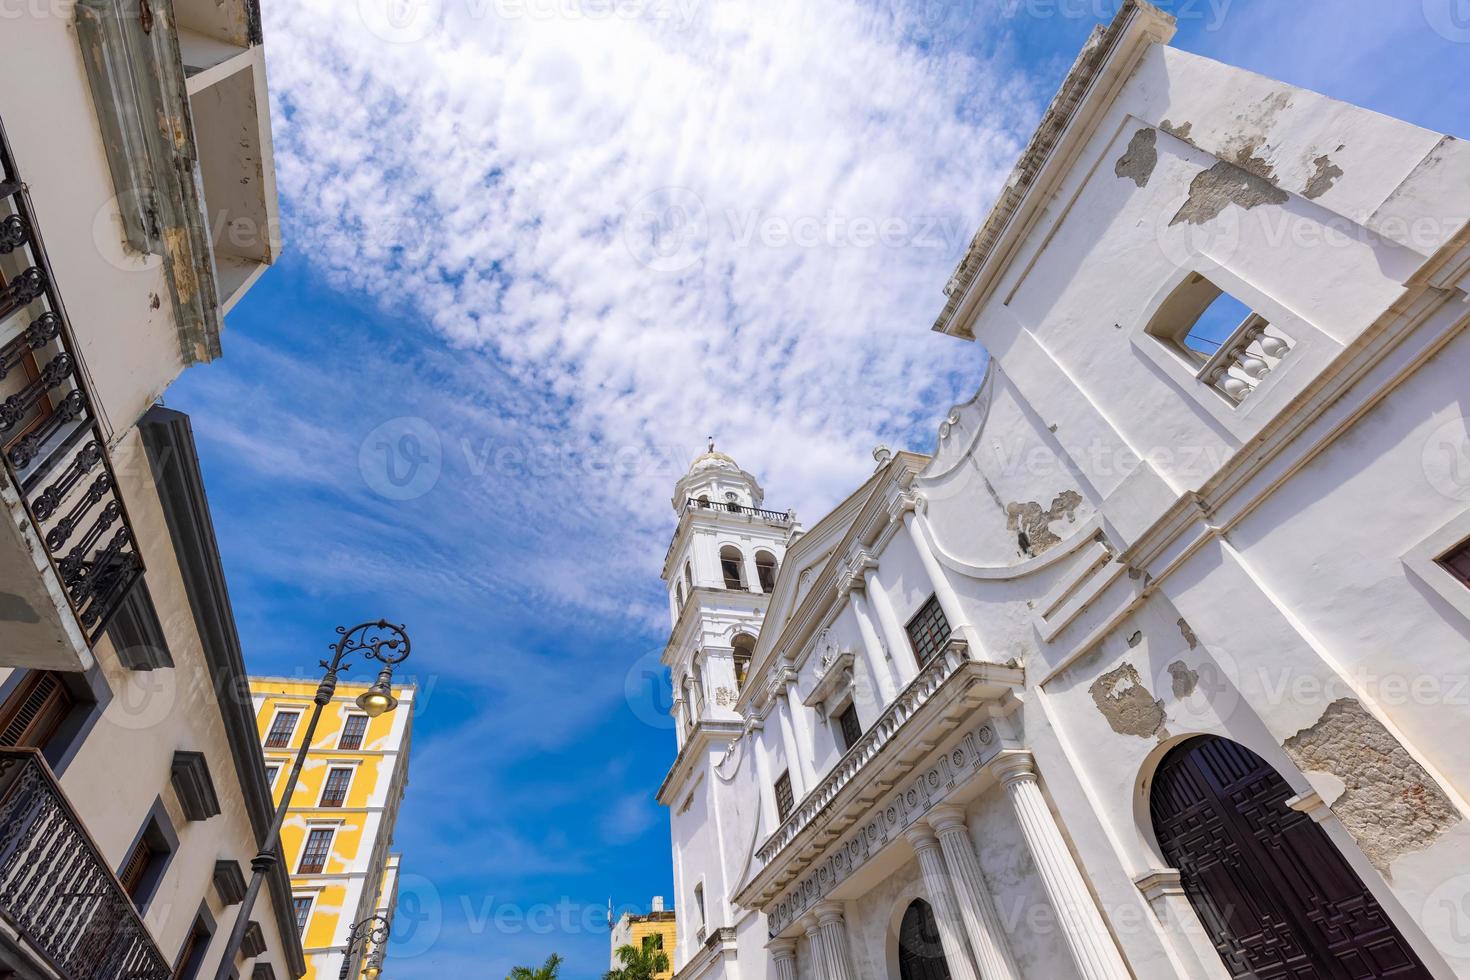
x=551, y=971
x=639, y=964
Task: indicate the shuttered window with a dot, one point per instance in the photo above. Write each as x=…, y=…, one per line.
x=1457, y=562
x=284, y=724
x=314, y=855
x=335, y=792
x=353, y=731
x=785, y=801
x=136, y=868
x=34, y=711
x=928, y=631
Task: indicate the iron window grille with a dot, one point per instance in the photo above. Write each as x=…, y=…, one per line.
x=851, y=728
x=928, y=631
x=282, y=728
x=785, y=799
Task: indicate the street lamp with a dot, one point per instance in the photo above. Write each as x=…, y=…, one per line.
x=381, y=641
x=372, y=931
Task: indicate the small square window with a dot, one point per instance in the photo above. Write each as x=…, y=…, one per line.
x=1456, y=561
x=785, y=799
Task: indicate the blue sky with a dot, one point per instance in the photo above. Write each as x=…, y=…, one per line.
x=537, y=250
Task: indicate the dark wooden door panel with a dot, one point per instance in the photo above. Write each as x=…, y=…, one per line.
x=1277, y=898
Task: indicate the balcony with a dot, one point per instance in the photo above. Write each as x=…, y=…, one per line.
x=59, y=901
x=67, y=552
x=772, y=516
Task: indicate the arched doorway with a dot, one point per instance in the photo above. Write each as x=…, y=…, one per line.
x=1275, y=895
x=920, y=956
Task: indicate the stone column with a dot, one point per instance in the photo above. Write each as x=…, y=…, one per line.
x=1086, y=934
x=982, y=925
x=900, y=656
x=878, y=656
x=949, y=599
x=820, y=970
x=788, y=745
x=946, y=913
x=833, y=929
x=757, y=736
x=783, y=957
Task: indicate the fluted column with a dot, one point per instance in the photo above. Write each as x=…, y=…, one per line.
x=783, y=957
x=946, y=911
x=813, y=929
x=949, y=599
x=1086, y=934
x=982, y=925
x=834, y=941
x=788, y=745
x=878, y=654
x=900, y=657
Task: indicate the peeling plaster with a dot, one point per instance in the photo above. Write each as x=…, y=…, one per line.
x=1127, y=705
x=1033, y=524
x=1180, y=132
x=1137, y=164
x=1322, y=180
x=1185, y=679
x=1188, y=634
x=1226, y=183
x=1389, y=803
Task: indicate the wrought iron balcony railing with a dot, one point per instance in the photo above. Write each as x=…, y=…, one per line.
x=774, y=516
x=56, y=891
x=54, y=449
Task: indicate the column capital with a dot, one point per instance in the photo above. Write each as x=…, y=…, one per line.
x=782, y=949
x=920, y=837
x=828, y=912
x=946, y=818
x=809, y=925
x=1013, y=766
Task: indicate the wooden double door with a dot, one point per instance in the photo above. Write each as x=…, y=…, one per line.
x=1274, y=893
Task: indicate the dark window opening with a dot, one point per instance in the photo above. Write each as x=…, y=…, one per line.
x=928, y=631
x=1457, y=562
x=920, y=953
x=744, y=645
x=301, y=906
x=785, y=799
x=732, y=567
x=148, y=858
x=282, y=728
x=196, y=945
x=353, y=731
x=765, y=567
x=851, y=728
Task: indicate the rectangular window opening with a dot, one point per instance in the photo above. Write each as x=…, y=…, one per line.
x=928, y=631
x=785, y=799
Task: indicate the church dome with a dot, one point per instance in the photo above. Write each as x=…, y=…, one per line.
x=716, y=477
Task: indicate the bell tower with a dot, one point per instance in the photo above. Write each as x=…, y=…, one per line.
x=720, y=570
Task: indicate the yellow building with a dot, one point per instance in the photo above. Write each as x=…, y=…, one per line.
x=658, y=928
x=339, y=830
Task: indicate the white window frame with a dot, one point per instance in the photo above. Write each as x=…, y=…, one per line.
x=311, y=827
x=275, y=717
x=1422, y=562
x=343, y=733
x=351, y=771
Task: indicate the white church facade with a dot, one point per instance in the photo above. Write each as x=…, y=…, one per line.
x=1159, y=664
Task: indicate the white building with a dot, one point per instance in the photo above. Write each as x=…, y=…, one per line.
x=1159, y=665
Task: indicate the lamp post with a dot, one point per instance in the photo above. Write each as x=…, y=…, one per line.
x=381, y=641
x=373, y=931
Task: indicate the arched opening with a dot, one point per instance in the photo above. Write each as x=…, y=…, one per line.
x=679, y=596
x=920, y=955
x=1275, y=895
x=689, y=578
x=744, y=645
x=732, y=567
x=765, y=567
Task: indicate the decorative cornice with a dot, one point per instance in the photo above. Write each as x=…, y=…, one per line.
x=706, y=732
x=1159, y=883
